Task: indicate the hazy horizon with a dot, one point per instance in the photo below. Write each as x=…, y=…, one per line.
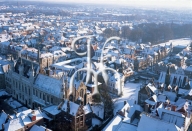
x=185, y=4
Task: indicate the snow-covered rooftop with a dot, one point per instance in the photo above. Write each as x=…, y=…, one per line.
x=52, y=110
x=48, y=84
x=152, y=124
x=73, y=107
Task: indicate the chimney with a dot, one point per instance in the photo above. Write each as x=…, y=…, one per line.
x=32, y=116
x=173, y=108
x=15, y=112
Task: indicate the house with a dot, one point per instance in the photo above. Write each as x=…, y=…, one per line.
x=39, y=128
x=78, y=116
x=24, y=120
x=148, y=123
x=4, y=67
x=127, y=118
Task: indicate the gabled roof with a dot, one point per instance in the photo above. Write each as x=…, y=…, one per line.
x=14, y=124
x=73, y=107
x=152, y=124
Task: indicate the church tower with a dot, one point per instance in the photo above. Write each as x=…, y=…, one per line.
x=32, y=74
x=167, y=78
x=21, y=68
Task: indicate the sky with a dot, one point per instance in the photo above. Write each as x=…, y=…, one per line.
x=147, y=3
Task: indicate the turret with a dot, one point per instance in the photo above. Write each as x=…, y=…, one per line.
x=167, y=78
x=21, y=68
x=32, y=72
x=39, y=55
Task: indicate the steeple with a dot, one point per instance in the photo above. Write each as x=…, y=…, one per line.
x=32, y=70
x=167, y=78
x=39, y=55
x=21, y=68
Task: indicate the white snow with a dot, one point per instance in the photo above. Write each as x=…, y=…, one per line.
x=52, y=110
x=37, y=128
x=130, y=94
x=14, y=124
x=126, y=127
x=95, y=121
x=98, y=110
x=183, y=42
x=48, y=84
x=87, y=109
x=113, y=124
x=152, y=124
x=2, y=93
x=13, y=103
x=22, y=109
x=73, y=107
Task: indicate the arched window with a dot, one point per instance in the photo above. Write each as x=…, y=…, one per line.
x=81, y=93
x=71, y=97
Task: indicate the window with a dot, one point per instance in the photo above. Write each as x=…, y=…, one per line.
x=77, y=120
x=33, y=91
x=81, y=118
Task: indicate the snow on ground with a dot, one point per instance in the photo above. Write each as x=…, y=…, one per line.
x=130, y=94
x=175, y=42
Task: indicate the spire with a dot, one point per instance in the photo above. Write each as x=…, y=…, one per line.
x=167, y=78
x=39, y=55
x=32, y=70
x=53, y=58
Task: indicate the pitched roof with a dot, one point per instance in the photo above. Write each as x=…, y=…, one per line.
x=152, y=124
x=73, y=107
x=48, y=84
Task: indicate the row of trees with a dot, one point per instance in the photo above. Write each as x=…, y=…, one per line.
x=152, y=32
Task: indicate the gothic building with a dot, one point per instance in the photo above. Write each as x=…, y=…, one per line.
x=26, y=84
